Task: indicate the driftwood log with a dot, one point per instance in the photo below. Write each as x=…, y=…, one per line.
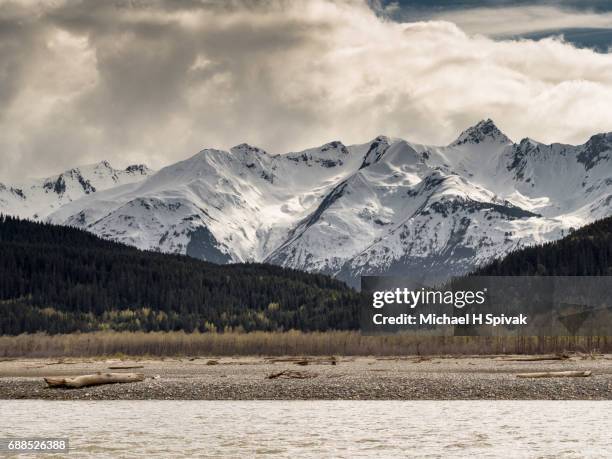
x=303, y=361
x=93, y=380
x=291, y=374
x=556, y=374
x=125, y=367
x=537, y=358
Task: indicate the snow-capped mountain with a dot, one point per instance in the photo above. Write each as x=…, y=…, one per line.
x=384, y=207
x=37, y=198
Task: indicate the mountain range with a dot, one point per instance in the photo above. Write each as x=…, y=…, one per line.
x=37, y=198
x=388, y=206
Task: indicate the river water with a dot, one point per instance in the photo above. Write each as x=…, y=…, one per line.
x=317, y=428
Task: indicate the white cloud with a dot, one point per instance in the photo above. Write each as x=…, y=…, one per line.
x=91, y=81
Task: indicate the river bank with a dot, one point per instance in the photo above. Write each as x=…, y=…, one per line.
x=351, y=378
x=347, y=343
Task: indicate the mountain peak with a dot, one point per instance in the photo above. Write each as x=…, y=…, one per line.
x=595, y=150
x=334, y=145
x=483, y=131
x=105, y=164
x=246, y=148
x=604, y=138
x=89, y=168
x=377, y=149
x=527, y=141
x=380, y=138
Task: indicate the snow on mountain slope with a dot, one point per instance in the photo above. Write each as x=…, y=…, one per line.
x=449, y=235
x=37, y=198
x=222, y=206
x=428, y=224
x=442, y=211
x=386, y=206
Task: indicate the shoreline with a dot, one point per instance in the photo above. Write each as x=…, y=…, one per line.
x=348, y=378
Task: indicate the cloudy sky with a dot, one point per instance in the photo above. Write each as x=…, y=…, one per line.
x=156, y=81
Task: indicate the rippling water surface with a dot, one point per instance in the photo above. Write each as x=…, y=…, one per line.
x=314, y=429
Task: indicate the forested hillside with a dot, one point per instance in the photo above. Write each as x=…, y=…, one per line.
x=585, y=252
x=60, y=279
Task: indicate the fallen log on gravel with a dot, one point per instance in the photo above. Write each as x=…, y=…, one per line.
x=556, y=374
x=324, y=361
x=125, y=367
x=413, y=359
x=94, y=380
x=61, y=362
x=292, y=374
x=537, y=358
x=303, y=361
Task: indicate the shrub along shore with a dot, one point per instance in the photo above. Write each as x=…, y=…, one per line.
x=161, y=344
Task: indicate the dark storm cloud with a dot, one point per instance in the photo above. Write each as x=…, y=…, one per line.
x=155, y=65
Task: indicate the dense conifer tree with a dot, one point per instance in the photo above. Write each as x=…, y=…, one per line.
x=61, y=279
x=584, y=252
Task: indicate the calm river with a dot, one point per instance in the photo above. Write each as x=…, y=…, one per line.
x=314, y=429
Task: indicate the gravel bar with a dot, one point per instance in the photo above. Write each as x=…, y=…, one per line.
x=354, y=378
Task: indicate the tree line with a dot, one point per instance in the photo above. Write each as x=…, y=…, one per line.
x=584, y=252
x=61, y=279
